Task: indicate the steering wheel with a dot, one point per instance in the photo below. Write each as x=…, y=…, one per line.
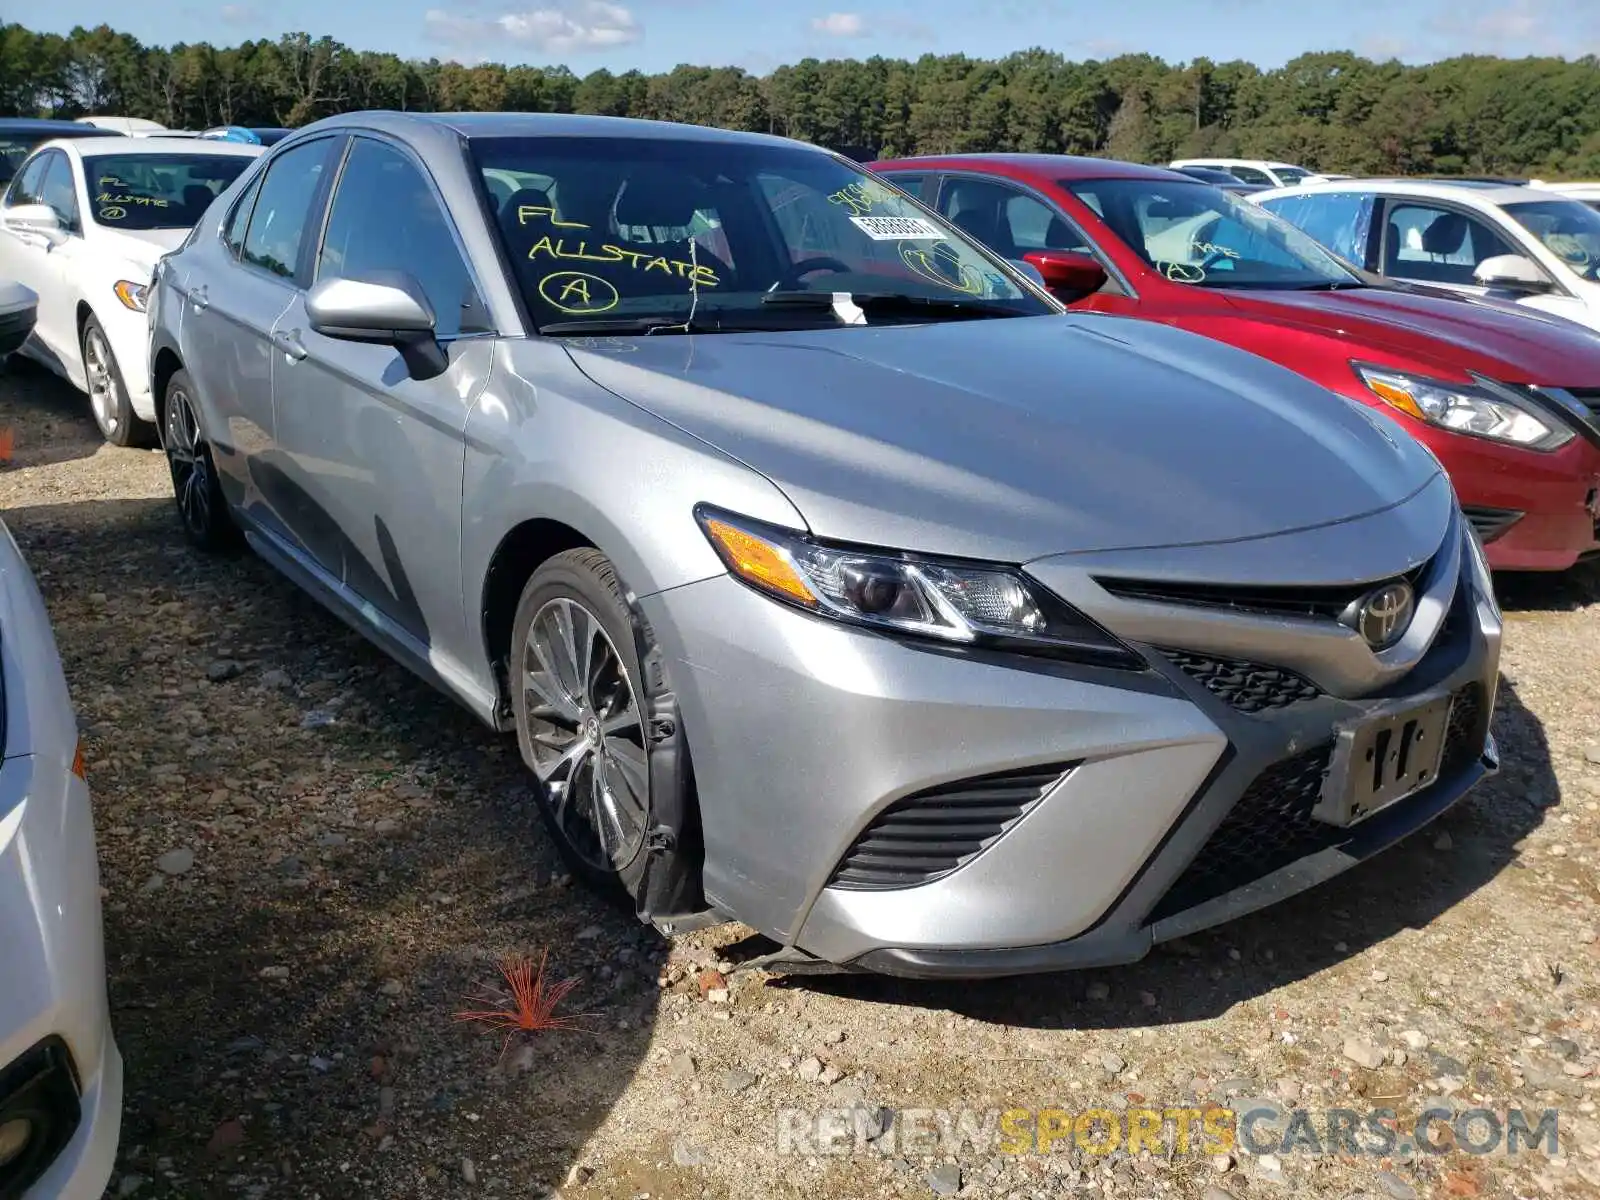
x=819, y=263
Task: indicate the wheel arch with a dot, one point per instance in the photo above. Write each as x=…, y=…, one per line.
x=520, y=552
x=163, y=367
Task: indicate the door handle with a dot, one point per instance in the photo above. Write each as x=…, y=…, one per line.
x=197, y=297
x=290, y=344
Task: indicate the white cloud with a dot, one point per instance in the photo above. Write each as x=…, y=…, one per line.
x=1499, y=27
x=570, y=29
x=841, y=25
x=238, y=14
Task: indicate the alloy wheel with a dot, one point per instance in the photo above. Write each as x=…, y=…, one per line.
x=587, y=733
x=103, y=398
x=189, y=462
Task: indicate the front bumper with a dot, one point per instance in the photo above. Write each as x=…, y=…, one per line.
x=129, y=335
x=1157, y=807
x=53, y=985
x=1534, y=511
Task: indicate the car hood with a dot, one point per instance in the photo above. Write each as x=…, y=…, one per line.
x=1514, y=344
x=1010, y=439
x=144, y=247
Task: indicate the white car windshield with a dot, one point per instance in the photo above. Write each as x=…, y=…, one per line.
x=1197, y=234
x=157, y=191
x=1569, y=229
x=620, y=228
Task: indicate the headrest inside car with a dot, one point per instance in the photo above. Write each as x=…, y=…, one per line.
x=663, y=200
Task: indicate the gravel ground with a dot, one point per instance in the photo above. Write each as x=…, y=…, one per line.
x=310, y=859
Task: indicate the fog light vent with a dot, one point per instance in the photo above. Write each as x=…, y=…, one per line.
x=39, y=1113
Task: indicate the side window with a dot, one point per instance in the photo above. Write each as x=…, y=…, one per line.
x=1341, y=221
x=1434, y=244
x=283, y=207
x=25, y=189
x=1001, y=217
x=386, y=218
x=58, y=193
x=1249, y=175
x=1037, y=226
x=241, y=218
x=910, y=184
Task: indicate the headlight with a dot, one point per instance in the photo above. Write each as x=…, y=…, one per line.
x=972, y=604
x=131, y=294
x=1484, y=409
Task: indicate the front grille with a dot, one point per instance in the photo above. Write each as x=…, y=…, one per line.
x=1491, y=522
x=1271, y=826
x=1319, y=603
x=921, y=837
x=1588, y=397
x=1247, y=686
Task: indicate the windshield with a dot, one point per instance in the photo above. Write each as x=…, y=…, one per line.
x=608, y=230
x=1290, y=175
x=157, y=191
x=1569, y=229
x=1197, y=234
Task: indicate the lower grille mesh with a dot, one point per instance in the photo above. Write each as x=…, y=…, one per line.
x=921, y=837
x=1271, y=826
x=1248, y=687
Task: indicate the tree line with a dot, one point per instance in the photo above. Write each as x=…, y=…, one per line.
x=1334, y=111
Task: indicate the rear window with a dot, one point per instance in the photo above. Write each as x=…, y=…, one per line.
x=157, y=191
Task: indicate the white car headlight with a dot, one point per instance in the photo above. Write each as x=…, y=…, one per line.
x=973, y=604
x=1483, y=409
x=132, y=295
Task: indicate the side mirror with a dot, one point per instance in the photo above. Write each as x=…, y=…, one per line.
x=386, y=310
x=33, y=218
x=1069, y=271
x=1028, y=269
x=1512, y=273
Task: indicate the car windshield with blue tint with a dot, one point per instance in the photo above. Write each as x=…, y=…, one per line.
x=1569, y=229
x=157, y=191
x=661, y=234
x=1196, y=234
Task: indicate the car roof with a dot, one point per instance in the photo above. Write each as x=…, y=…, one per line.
x=1479, y=193
x=54, y=128
x=151, y=146
x=1054, y=166
x=518, y=124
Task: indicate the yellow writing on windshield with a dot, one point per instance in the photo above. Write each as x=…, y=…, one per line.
x=639, y=260
x=575, y=292
x=941, y=264
x=150, y=201
x=860, y=197
x=1212, y=249
x=525, y=211
x=112, y=212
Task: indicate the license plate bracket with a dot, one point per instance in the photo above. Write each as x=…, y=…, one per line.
x=1382, y=759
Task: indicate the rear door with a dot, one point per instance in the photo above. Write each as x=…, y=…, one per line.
x=234, y=299
x=378, y=454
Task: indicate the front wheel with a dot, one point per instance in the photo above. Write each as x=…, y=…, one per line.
x=195, y=485
x=108, y=398
x=583, y=699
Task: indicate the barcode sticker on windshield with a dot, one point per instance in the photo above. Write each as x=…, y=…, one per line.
x=894, y=229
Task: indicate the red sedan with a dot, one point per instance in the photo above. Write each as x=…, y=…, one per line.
x=1508, y=400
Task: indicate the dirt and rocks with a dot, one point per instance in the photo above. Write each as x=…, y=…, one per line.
x=312, y=862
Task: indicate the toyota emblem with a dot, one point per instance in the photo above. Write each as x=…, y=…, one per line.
x=1383, y=615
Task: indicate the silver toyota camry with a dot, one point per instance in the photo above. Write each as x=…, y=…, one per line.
x=831, y=577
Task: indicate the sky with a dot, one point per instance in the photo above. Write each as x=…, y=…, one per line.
x=655, y=35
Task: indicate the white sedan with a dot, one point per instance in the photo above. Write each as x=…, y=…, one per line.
x=82, y=224
x=1588, y=191
x=60, y=1070
x=1534, y=247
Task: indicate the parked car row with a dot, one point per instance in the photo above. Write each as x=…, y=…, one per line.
x=967, y=566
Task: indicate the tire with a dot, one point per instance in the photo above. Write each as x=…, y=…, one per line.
x=195, y=484
x=108, y=395
x=619, y=809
